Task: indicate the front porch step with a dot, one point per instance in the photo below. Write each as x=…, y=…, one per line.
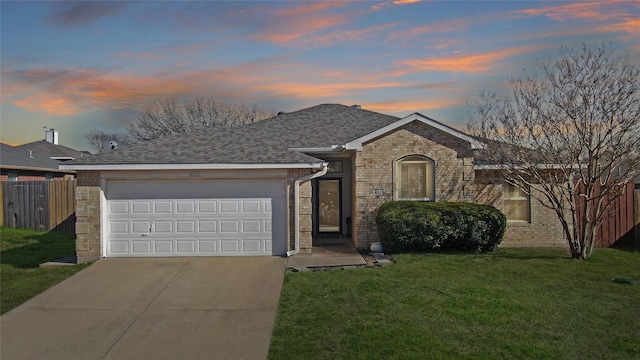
x=331, y=240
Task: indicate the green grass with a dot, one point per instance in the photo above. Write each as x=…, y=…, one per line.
x=21, y=253
x=516, y=303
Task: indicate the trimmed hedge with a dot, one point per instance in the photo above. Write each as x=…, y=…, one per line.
x=435, y=226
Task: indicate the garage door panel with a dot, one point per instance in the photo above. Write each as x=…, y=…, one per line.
x=229, y=206
x=146, y=225
x=185, y=227
x=207, y=226
x=186, y=207
x=229, y=226
x=251, y=226
x=163, y=227
x=230, y=246
x=119, y=207
x=140, y=207
x=208, y=246
x=163, y=207
x=119, y=247
x=141, y=247
x=252, y=246
x=251, y=206
x=186, y=246
x=140, y=227
x=119, y=227
x=207, y=206
x=163, y=247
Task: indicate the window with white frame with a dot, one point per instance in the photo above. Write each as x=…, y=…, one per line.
x=415, y=178
x=516, y=203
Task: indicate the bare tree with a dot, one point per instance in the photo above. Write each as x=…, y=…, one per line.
x=98, y=138
x=171, y=116
x=570, y=138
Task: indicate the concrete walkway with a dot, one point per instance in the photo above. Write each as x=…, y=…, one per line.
x=193, y=308
x=327, y=255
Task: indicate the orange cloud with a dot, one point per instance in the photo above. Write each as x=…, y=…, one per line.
x=318, y=91
x=50, y=104
x=295, y=29
x=411, y=106
x=630, y=26
x=474, y=63
x=596, y=11
x=442, y=27
x=71, y=91
x=306, y=8
x=349, y=35
x=394, y=2
x=289, y=26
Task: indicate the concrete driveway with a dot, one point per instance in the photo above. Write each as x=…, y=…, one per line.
x=192, y=308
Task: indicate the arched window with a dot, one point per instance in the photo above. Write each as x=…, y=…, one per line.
x=415, y=178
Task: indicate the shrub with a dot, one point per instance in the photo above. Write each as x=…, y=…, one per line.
x=425, y=226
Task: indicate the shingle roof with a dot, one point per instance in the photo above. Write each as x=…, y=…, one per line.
x=211, y=145
x=322, y=125
x=43, y=147
x=264, y=142
x=17, y=158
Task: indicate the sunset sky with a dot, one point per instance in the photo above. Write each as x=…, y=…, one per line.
x=80, y=66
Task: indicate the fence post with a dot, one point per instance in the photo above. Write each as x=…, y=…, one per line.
x=636, y=212
x=1, y=205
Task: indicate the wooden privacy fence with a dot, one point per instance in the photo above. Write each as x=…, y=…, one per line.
x=39, y=205
x=620, y=226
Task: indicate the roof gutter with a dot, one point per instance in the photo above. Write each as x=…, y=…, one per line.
x=296, y=207
x=310, y=165
x=332, y=148
x=29, y=168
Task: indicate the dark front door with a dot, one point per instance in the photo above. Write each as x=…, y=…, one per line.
x=329, y=205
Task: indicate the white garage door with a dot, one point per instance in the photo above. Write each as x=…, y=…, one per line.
x=155, y=218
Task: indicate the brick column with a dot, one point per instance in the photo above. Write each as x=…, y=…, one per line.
x=88, y=217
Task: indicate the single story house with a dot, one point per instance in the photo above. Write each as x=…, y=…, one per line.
x=275, y=186
x=18, y=164
x=51, y=148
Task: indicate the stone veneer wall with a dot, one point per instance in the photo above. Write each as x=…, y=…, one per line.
x=544, y=228
x=305, y=211
x=375, y=166
x=88, y=216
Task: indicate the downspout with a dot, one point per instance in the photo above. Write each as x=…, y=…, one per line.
x=296, y=207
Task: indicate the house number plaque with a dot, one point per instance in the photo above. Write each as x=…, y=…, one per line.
x=378, y=191
x=194, y=174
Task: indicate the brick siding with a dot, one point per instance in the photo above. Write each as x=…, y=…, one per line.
x=88, y=217
x=375, y=167
x=544, y=229
x=305, y=211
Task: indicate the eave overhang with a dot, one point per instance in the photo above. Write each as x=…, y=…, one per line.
x=357, y=143
x=87, y=167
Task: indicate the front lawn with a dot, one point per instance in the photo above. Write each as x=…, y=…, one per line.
x=516, y=303
x=21, y=253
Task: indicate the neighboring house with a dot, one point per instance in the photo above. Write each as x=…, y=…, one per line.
x=276, y=186
x=18, y=164
x=51, y=148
